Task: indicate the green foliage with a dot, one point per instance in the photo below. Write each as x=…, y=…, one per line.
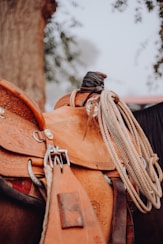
x=61, y=48
x=121, y=6
x=62, y=54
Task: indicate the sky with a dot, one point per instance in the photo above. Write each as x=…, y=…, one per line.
x=125, y=51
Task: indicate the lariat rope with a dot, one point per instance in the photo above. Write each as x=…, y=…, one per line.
x=139, y=164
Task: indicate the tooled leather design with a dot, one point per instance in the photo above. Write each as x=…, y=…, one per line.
x=16, y=105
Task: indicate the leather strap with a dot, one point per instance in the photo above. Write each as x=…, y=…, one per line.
x=130, y=223
x=130, y=227
x=71, y=216
x=119, y=221
x=100, y=194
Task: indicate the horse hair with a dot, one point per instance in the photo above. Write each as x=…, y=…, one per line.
x=151, y=121
x=19, y=197
x=148, y=227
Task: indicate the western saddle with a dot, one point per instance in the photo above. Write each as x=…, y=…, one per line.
x=65, y=155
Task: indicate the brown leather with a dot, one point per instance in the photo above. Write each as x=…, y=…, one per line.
x=16, y=101
x=100, y=194
x=119, y=221
x=79, y=99
x=68, y=125
x=17, y=146
x=65, y=100
x=19, y=118
x=14, y=165
x=73, y=223
x=130, y=227
x=17, y=136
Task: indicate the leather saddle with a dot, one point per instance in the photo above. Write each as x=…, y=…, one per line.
x=20, y=119
x=23, y=126
x=23, y=137
x=69, y=125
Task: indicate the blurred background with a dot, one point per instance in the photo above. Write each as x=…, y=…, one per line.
x=119, y=38
x=47, y=46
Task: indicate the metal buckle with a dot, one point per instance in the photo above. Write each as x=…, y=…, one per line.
x=54, y=155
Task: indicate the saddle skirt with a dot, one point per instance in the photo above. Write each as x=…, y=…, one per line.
x=17, y=136
x=68, y=125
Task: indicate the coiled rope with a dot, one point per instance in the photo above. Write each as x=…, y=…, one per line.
x=139, y=163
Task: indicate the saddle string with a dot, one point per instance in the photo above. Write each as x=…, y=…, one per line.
x=112, y=126
x=92, y=111
x=72, y=97
x=48, y=176
x=93, y=82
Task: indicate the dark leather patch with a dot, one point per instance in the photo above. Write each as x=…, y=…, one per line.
x=70, y=210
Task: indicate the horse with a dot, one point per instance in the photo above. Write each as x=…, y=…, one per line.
x=21, y=217
x=22, y=214
x=149, y=227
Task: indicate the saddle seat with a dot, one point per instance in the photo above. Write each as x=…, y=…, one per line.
x=22, y=118
x=69, y=125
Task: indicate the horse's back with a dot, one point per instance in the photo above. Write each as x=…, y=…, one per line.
x=19, y=223
x=151, y=121
x=149, y=227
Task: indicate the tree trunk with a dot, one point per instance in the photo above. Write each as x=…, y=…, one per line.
x=22, y=26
